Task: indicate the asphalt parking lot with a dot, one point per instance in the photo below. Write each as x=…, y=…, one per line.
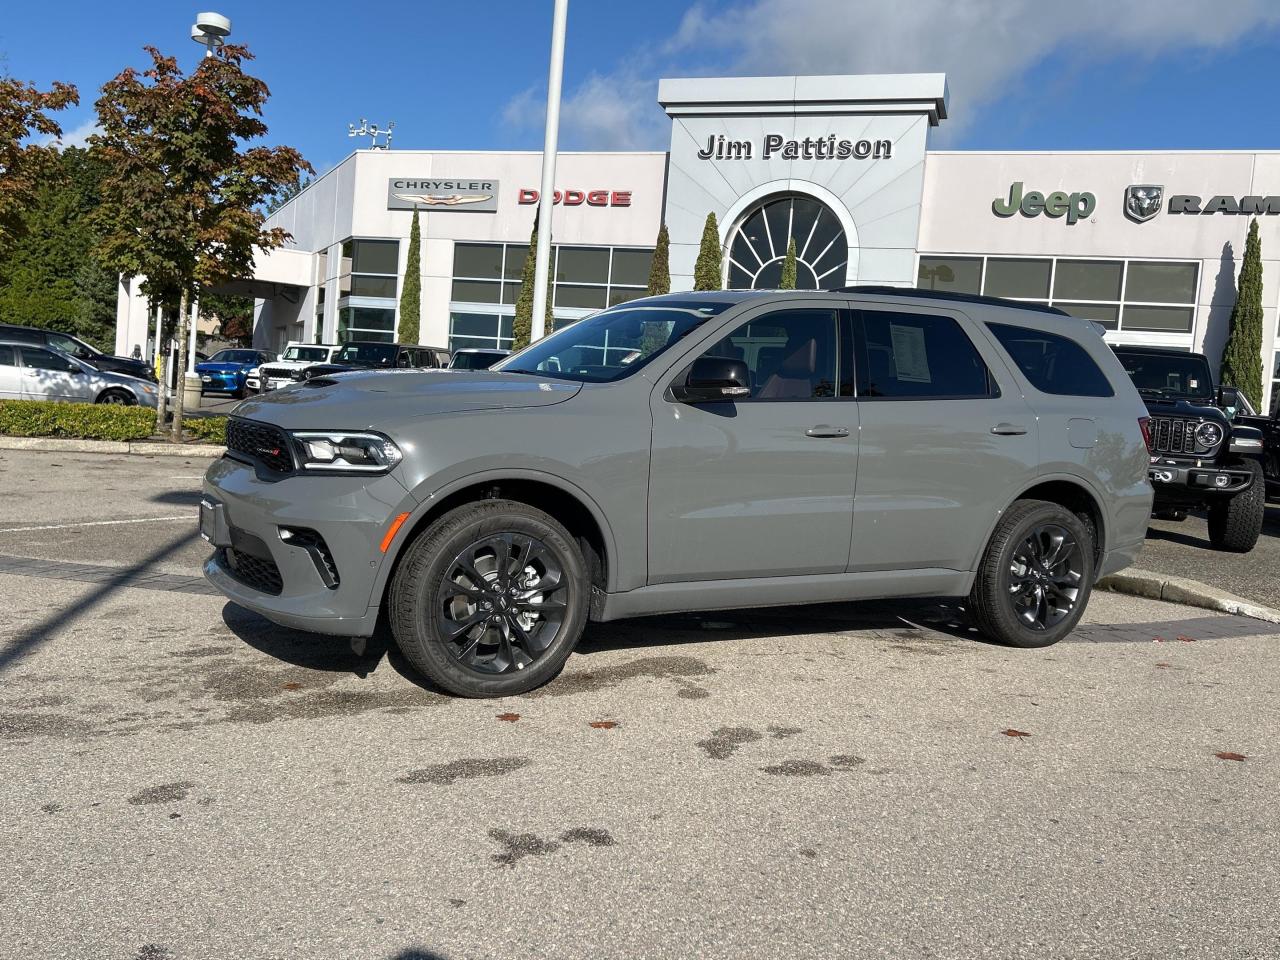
x=1183, y=550
x=179, y=778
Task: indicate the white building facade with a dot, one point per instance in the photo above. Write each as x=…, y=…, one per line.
x=1147, y=243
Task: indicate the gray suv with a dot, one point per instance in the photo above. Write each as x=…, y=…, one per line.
x=690, y=452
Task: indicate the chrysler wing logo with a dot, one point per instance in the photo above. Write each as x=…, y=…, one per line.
x=443, y=199
x=1142, y=201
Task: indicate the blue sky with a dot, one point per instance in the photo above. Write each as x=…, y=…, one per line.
x=1024, y=74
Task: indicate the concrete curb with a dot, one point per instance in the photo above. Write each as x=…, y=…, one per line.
x=1190, y=593
x=148, y=448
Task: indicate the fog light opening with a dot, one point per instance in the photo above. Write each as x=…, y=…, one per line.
x=1221, y=480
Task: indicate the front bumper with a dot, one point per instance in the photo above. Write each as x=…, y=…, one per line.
x=1175, y=482
x=349, y=514
x=220, y=382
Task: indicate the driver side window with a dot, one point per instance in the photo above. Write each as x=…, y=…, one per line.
x=38, y=359
x=791, y=354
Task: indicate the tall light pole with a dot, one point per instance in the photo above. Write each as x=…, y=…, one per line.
x=211, y=31
x=547, y=197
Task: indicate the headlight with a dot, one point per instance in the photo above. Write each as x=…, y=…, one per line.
x=338, y=452
x=1209, y=434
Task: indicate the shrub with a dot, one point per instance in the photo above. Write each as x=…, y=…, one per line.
x=208, y=429
x=79, y=421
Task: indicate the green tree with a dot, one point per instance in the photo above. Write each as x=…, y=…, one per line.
x=411, y=295
x=788, y=281
x=1242, y=358
x=233, y=315
x=285, y=194
x=185, y=190
x=660, y=266
x=52, y=277
x=709, y=269
x=25, y=118
x=522, y=325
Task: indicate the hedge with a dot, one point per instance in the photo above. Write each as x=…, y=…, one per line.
x=79, y=421
x=208, y=429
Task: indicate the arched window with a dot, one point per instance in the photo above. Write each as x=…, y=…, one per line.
x=758, y=245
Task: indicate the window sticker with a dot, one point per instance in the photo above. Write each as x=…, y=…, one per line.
x=910, y=360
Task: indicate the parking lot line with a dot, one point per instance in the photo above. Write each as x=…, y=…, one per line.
x=190, y=518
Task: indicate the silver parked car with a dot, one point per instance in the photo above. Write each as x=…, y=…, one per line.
x=28, y=372
x=691, y=452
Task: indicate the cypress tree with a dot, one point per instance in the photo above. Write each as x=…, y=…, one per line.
x=522, y=326
x=1242, y=358
x=411, y=293
x=709, y=269
x=788, y=281
x=660, y=268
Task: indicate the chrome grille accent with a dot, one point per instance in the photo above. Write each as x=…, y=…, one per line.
x=1173, y=435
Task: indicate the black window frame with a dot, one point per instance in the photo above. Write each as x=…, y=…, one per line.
x=1050, y=335
x=862, y=356
x=840, y=315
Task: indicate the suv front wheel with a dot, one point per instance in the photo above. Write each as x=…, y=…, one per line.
x=490, y=599
x=1236, y=523
x=1035, y=576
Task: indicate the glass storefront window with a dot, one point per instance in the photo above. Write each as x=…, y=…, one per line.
x=1161, y=282
x=583, y=265
x=581, y=297
x=376, y=256
x=477, y=291
x=1107, y=314
x=955, y=274
x=758, y=245
x=585, y=278
x=631, y=267
x=480, y=330
x=1088, y=280
x=477, y=260
x=366, y=323
x=363, y=286
x=1168, y=319
x=516, y=252
x=1019, y=279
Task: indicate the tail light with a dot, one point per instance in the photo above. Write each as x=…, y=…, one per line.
x=1144, y=424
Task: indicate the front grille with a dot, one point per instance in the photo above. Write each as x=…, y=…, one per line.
x=1174, y=435
x=264, y=443
x=277, y=373
x=254, y=572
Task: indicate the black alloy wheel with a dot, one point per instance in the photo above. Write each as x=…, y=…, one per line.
x=1045, y=574
x=502, y=602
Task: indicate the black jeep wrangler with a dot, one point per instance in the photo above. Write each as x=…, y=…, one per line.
x=1199, y=456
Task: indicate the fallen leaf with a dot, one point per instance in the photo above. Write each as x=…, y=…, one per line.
x=508, y=717
x=1187, y=639
x=1157, y=639
x=1164, y=664
x=1015, y=733
x=293, y=685
x=604, y=724
x=1228, y=755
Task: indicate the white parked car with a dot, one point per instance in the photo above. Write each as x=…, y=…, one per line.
x=28, y=372
x=288, y=367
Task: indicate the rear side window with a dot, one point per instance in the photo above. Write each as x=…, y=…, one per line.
x=6, y=356
x=1054, y=364
x=918, y=356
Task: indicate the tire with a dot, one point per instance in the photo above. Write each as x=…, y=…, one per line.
x=1234, y=526
x=118, y=398
x=1026, y=532
x=432, y=595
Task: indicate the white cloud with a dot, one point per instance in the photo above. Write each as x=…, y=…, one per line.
x=76, y=137
x=984, y=46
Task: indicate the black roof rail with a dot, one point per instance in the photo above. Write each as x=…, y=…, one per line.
x=880, y=289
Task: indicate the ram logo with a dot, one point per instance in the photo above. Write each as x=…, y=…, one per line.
x=1142, y=201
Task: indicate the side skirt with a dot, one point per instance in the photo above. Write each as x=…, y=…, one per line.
x=780, y=591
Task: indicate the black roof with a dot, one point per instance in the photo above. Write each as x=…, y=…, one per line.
x=882, y=290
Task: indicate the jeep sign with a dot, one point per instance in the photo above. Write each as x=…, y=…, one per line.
x=1073, y=206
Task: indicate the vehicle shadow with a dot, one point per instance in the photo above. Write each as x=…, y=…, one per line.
x=179, y=498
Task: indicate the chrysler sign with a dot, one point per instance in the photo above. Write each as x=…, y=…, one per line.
x=475, y=196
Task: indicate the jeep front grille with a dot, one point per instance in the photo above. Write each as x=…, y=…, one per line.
x=1173, y=435
x=262, y=442
x=276, y=373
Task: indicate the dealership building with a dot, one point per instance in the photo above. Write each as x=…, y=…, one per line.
x=1148, y=243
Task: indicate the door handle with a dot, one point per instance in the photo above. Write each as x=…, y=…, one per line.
x=1008, y=430
x=823, y=430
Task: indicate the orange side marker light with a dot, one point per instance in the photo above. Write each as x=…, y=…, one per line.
x=396, y=524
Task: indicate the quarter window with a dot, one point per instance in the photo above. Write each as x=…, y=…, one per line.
x=6, y=356
x=920, y=357
x=1053, y=364
x=791, y=354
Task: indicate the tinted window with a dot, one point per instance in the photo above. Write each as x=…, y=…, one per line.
x=1024, y=279
x=920, y=356
x=45, y=360
x=6, y=356
x=1052, y=363
x=381, y=354
x=1168, y=375
x=791, y=354
x=236, y=356
x=958, y=274
x=70, y=345
x=25, y=336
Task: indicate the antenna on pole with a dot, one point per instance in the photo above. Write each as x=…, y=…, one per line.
x=373, y=132
x=210, y=31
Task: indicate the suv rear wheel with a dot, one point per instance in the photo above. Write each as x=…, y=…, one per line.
x=490, y=599
x=1035, y=577
x=1236, y=524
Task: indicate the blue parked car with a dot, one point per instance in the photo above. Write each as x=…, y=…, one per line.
x=226, y=370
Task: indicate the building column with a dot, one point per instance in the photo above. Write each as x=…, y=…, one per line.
x=191, y=334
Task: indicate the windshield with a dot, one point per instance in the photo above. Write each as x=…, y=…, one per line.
x=480, y=360
x=308, y=354
x=234, y=356
x=612, y=344
x=374, y=354
x=1168, y=375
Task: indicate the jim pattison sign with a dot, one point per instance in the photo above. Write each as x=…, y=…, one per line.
x=720, y=147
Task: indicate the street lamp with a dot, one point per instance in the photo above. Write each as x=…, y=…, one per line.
x=210, y=31
x=546, y=200
x=373, y=132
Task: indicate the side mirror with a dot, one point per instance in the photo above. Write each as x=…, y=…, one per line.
x=713, y=379
x=1228, y=397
